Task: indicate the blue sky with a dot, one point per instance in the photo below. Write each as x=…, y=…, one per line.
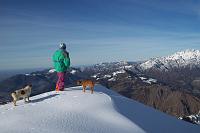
x=95, y=30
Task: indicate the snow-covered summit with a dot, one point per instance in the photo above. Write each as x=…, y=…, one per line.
x=72, y=111
x=73, y=71
x=185, y=58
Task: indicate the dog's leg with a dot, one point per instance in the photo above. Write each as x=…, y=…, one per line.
x=25, y=99
x=84, y=87
x=14, y=98
x=14, y=102
x=92, y=90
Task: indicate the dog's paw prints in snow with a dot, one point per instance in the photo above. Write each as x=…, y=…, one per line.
x=10, y=108
x=2, y=112
x=33, y=104
x=32, y=128
x=6, y=109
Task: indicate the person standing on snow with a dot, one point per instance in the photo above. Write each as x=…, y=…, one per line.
x=61, y=62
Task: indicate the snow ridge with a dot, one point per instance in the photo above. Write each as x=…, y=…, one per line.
x=73, y=111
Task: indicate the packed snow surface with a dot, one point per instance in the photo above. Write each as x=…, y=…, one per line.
x=72, y=111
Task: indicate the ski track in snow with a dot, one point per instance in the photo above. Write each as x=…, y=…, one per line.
x=73, y=111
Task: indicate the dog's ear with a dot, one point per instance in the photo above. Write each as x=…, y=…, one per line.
x=24, y=85
x=30, y=85
x=78, y=82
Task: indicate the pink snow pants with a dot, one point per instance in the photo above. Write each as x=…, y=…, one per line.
x=60, y=85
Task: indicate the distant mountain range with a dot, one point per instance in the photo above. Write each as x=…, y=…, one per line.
x=187, y=58
x=170, y=84
x=4, y=74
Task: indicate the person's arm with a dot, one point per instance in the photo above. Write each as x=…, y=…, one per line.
x=66, y=59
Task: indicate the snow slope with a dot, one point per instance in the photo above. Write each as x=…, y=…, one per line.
x=72, y=111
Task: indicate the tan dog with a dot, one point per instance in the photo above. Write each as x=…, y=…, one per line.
x=86, y=83
x=22, y=93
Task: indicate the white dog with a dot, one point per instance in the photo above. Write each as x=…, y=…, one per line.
x=22, y=93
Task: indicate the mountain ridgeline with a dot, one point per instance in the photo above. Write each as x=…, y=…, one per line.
x=170, y=84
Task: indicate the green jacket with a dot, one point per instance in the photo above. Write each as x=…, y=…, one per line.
x=61, y=60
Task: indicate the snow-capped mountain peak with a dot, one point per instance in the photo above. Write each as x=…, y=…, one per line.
x=179, y=59
x=186, y=55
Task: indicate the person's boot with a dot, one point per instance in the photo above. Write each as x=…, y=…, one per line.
x=57, y=88
x=62, y=89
